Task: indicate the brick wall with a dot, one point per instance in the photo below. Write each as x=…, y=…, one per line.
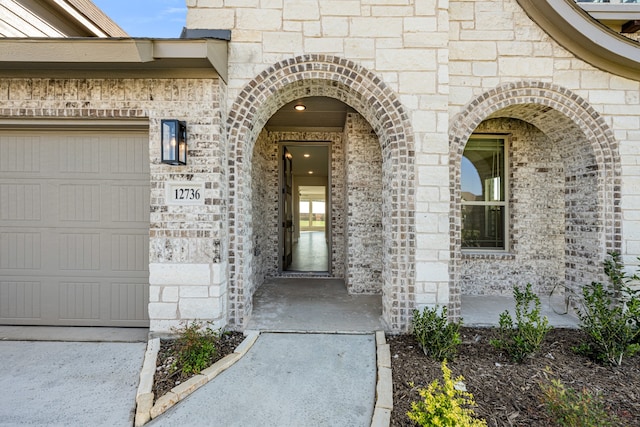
x=346, y=81
x=443, y=60
x=265, y=204
x=188, y=244
x=363, y=207
x=266, y=201
x=403, y=46
x=424, y=75
x=356, y=204
x=536, y=229
x=591, y=164
x=493, y=43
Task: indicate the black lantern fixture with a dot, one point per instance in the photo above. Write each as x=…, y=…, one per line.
x=174, y=142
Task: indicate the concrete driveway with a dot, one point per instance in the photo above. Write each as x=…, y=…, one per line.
x=69, y=383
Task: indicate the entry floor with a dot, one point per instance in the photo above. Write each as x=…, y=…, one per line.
x=313, y=305
x=485, y=311
x=310, y=253
x=323, y=305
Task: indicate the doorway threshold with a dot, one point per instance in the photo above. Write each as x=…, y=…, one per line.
x=303, y=274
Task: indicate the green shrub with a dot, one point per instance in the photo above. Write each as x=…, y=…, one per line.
x=446, y=405
x=196, y=347
x=437, y=337
x=609, y=316
x=570, y=408
x=525, y=337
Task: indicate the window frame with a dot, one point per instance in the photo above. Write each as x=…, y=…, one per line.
x=506, y=138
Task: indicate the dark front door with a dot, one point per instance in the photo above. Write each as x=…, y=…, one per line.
x=287, y=209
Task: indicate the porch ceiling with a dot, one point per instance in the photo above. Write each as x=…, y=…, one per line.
x=322, y=114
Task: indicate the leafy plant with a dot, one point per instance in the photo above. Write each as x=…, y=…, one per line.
x=570, y=408
x=446, y=405
x=522, y=339
x=610, y=316
x=437, y=337
x=196, y=347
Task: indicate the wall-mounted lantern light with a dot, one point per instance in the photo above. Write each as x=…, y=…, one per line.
x=174, y=142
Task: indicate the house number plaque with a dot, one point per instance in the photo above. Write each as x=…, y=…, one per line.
x=184, y=193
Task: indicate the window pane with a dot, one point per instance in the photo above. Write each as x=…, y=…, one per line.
x=483, y=227
x=318, y=206
x=304, y=221
x=483, y=170
x=317, y=216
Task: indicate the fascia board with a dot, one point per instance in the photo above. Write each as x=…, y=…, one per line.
x=585, y=37
x=74, y=50
x=213, y=51
x=138, y=54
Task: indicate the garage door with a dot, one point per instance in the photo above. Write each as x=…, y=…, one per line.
x=74, y=228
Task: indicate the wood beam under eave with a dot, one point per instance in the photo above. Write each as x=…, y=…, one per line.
x=631, y=26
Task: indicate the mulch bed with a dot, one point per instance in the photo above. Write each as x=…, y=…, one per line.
x=509, y=394
x=167, y=378
x=506, y=394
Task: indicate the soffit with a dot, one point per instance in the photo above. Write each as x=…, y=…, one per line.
x=113, y=57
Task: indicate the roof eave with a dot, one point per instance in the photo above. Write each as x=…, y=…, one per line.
x=132, y=54
x=585, y=37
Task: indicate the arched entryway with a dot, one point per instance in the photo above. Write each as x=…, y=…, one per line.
x=563, y=173
x=338, y=78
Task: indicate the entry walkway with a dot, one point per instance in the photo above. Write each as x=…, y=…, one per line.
x=288, y=380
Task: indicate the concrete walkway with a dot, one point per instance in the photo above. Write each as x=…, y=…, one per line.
x=485, y=311
x=69, y=383
x=313, y=305
x=288, y=380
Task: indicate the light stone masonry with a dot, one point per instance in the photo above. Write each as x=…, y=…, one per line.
x=419, y=77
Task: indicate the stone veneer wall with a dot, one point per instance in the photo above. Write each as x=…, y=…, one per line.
x=363, y=207
x=343, y=80
x=443, y=61
x=188, y=246
x=493, y=43
x=386, y=60
x=501, y=64
x=536, y=217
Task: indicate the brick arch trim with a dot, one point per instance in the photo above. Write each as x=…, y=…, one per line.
x=546, y=103
x=332, y=76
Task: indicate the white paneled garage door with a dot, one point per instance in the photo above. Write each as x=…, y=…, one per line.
x=74, y=228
